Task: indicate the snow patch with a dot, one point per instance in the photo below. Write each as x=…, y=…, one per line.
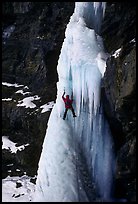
x=8, y=31
x=27, y=102
x=47, y=107
x=7, y=99
x=117, y=53
x=10, y=193
x=9, y=84
x=22, y=92
x=11, y=146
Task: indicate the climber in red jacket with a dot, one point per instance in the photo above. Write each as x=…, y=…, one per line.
x=68, y=105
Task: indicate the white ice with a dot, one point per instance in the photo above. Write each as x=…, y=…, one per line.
x=77, y=162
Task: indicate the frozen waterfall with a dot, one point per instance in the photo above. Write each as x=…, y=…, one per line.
x=77, y=160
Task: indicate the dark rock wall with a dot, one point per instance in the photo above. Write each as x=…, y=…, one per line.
x=119, y=91
x=34, y=46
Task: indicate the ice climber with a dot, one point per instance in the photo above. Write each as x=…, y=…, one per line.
x=68, y=105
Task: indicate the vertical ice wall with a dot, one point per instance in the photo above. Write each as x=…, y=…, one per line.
x=81, y=66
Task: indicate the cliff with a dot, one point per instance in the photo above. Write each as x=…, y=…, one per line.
x=30, y=56
x=119, y=90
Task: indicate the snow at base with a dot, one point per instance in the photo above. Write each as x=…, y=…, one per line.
x=12, y=193
x=77, y=162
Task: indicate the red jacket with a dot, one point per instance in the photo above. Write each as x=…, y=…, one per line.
x=68, y=102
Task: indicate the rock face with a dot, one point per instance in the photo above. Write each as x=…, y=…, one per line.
x=34, y=46
x=32, y=40
x=119, y=91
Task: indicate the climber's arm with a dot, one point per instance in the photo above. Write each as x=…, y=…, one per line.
x=63, y=95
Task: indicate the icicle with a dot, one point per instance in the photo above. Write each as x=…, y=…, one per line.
x=80, y=69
